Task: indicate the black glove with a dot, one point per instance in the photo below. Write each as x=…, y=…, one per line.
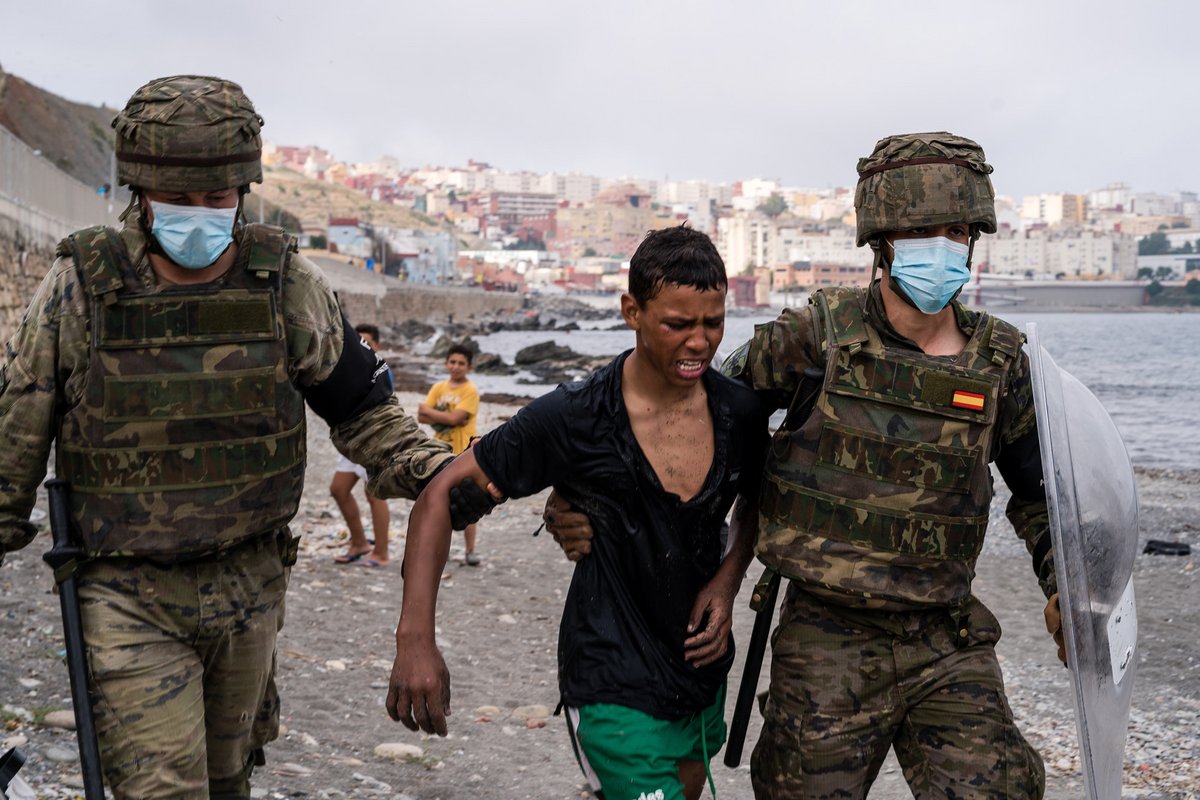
x=468, y=503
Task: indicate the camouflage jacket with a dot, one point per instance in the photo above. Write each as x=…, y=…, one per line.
x=46, y=368
x=773, y=362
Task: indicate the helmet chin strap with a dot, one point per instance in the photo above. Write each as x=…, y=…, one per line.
x=881, y=263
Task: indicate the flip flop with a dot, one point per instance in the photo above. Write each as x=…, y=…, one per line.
x=350, y=558
x=370, y=563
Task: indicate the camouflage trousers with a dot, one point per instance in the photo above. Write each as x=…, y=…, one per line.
x=846, y=685
x=182, y=662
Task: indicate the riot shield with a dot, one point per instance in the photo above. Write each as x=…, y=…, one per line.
x=1092, y=497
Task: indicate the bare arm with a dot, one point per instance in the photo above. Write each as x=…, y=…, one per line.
x=429, y=415
x=419, y=690
x=716, y=598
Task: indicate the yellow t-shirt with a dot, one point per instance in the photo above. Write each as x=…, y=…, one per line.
x=465, y=397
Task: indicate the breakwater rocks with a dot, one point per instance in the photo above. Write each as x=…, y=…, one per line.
x=416, y=348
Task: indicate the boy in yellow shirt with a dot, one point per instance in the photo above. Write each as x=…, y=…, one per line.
x=451, y=408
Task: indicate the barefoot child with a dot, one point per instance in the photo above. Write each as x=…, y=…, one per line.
x=655, y=446
x=360, y=551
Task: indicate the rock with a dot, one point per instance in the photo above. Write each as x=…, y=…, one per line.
x=532, y=723
x=507, y=619
x=544, y=351
x=60, y=719
x=60, y=755
x=29, y=683
x=335, y=666
x=398, y=751
x=372, y=785
x=17, y=713
x=16, y=740
x=441, y=348
x=530, y=712
x=492, y=710
x=411, y=331
x=491, y=364
x=291, y=768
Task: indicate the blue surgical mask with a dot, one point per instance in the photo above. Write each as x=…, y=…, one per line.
x=193, y=236
x=930, y=271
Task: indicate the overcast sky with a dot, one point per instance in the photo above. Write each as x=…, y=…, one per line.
x=1063, y=96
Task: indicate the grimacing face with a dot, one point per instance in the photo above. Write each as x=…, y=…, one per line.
x=678, y=330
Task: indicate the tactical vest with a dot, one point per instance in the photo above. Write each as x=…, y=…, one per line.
x=880, y=498
x=189, y=436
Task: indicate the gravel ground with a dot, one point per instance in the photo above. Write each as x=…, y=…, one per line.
x=498, y=627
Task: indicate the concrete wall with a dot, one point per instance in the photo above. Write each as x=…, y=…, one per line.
x=44, y=201
x=23, y=264
x=426, y=303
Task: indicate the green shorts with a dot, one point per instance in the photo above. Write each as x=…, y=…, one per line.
x=630, y=755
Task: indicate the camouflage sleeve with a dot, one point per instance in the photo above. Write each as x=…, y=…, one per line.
x=399, y=457
x=1019, y=460
x=773, y=361
x=314, y=322
x=45, y=365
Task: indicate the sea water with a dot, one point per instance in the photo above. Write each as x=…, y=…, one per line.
x=1144, y=367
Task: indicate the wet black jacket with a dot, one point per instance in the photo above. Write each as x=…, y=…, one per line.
x=622, y=632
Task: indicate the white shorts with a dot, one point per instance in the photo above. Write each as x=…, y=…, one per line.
x=346, y=465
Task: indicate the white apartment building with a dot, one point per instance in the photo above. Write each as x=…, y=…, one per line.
x=1054, y=209
x=699, y=194
x=1151, y=204
x=1114, y=196
x=1077, y=254
x=835, y=247
x=745, y=240
x=759, y=188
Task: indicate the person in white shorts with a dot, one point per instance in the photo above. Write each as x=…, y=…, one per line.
x=361, y=551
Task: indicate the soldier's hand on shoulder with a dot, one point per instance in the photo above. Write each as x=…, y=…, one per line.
x=571, y=529
x=1054, y=626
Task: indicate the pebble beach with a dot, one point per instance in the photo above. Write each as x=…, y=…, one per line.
x=497, y=628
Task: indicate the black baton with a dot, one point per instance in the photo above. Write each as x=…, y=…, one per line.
x=63, y=558
x=763, y=602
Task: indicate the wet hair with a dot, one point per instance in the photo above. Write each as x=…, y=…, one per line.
x=369, y=330
x=462, y=350
x=678, y=255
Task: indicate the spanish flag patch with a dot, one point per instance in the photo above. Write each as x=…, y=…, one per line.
x=969, y=400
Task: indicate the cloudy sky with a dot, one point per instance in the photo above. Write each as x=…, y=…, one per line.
x=1064, y=96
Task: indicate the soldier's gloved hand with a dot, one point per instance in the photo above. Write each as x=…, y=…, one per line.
x=469, y=503
x=1054, y=626
x=571, y=529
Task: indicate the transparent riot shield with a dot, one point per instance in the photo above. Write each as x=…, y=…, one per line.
x=1092, y=498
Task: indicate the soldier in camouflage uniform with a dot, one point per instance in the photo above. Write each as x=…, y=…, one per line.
x=876, y=505
x=171, y=361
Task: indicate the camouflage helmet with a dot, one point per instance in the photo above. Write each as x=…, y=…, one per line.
x=188, y=133
x=916, y=180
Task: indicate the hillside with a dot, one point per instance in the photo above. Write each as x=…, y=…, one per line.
x=78, y=138
x=314, y=201
x=74, y=136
